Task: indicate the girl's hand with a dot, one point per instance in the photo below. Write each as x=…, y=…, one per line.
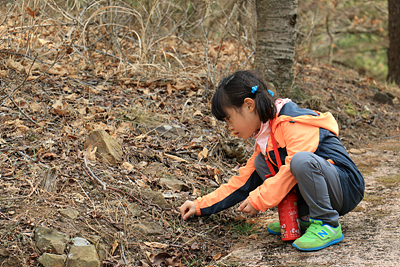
x=187, y=209
x=246, y=207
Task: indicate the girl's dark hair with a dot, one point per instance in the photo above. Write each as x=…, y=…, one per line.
x=233, y=90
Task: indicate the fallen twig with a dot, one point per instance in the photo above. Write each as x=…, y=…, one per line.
x=126, y=193
x=5, y=216
x=146, y=95
x=20, y=85
x=111, y=188
x=94, y=176
x=19, y=108
x=120, y=234
x=389, y=137
x=375, y=119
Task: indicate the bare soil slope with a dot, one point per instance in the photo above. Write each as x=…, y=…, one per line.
x=168, y=134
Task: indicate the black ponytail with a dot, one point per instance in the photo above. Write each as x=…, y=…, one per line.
x=234, y=89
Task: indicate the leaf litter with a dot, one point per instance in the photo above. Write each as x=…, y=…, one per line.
x=156, y=119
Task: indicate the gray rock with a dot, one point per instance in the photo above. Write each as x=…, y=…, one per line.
x=80, y=256
x=156, y=169
x=235, y=148
x=170, y=131
x=49, y=182
x=383, y=98
x=50, y=240
x=4, y=252
x=149, y=228
x=69, y=213
x=52, y=260
x=107, y=147
x=133, y=208
x=156, y=198
x=175, y=184
x=79, y=241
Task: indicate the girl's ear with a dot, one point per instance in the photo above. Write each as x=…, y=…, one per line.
x=249, y=104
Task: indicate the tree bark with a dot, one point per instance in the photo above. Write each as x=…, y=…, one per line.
x=394, y=38
x=276, y=42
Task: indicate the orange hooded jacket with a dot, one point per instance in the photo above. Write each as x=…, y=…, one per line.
x=295, y=130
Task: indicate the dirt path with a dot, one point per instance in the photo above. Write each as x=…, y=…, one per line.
x=371, y=231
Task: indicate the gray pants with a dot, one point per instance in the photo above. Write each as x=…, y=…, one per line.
x=318, y=183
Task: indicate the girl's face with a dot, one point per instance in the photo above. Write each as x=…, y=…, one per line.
x=243, y=122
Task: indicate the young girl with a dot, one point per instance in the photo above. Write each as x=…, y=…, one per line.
x=313, y=160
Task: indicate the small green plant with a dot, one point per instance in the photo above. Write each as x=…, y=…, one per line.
x=242, y=227
x=205, y=190
x=198, y=261
x=350, y=110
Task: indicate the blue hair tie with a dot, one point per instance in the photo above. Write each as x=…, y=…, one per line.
x=254, y=89
x=271, y=93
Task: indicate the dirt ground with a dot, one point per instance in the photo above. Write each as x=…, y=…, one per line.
x=371, y=231
x=166, y=132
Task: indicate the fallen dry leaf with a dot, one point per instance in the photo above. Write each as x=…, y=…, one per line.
x=43, y=41
x=195, y=246
x=36, y=68
x=181, y=86
x=96, y=109
x=71, y=182
x=175, y=158
x=198, y=113
x=71, y=96
x=3, y=73
x=169, y=89
x=15, y=65
x=156, y=245
x=127, y=166
x=35, y=107
x=22, y=128
x=60, y=112
x=203, y=154
x=166, y=258
x=125, y=127
x=91, y=153
x=49, y=155
x=30, y=12
x=58, y=104
x=114, y=246
x=58, y=70
x=59, y=107
x=82, y=111
x=217, y=257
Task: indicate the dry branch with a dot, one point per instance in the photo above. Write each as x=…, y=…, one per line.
x=94, y=178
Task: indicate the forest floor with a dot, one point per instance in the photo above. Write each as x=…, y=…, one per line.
x=198, y=161
x=174, y=150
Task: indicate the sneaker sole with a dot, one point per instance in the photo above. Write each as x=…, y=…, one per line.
x=273, y=232
x=337, y=240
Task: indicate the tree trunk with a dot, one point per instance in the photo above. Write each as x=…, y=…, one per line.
x=394, y=37
x=276, y=42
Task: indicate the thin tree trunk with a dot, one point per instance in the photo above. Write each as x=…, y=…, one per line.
x=394, y=37
x=276, y=42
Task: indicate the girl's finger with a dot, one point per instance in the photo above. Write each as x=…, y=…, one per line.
x=241, y=207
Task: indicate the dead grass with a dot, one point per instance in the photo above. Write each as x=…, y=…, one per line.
x=390, y=181
x=394, y=148
x=374, y=199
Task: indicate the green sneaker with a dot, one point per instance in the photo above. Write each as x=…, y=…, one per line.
x=275, y=228
x=318, y=236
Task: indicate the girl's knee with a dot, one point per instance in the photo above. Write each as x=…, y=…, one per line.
x=300, y=161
